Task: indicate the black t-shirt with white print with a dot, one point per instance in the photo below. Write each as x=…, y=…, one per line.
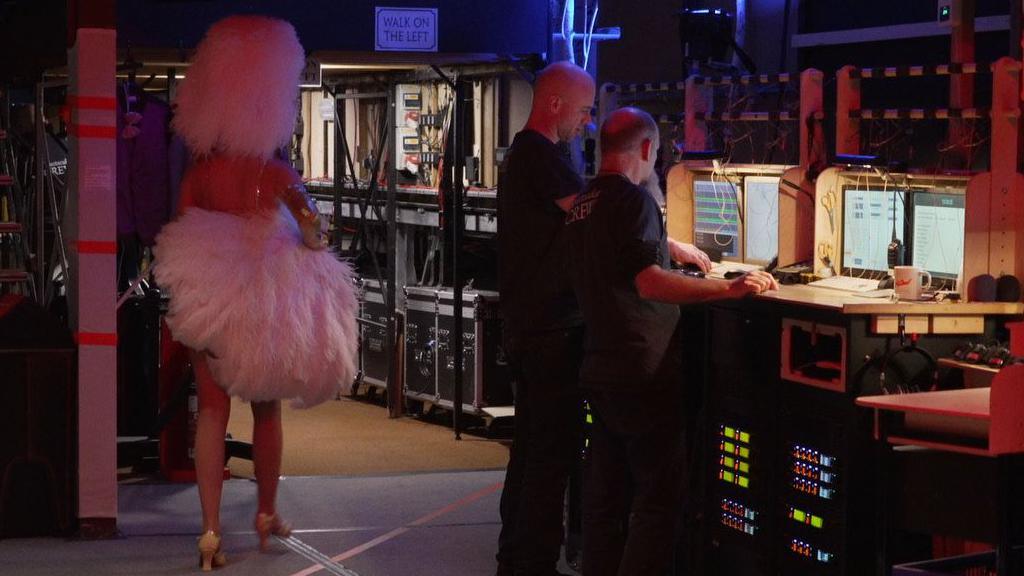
x=615, y=230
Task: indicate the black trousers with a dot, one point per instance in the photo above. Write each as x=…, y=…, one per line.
x=548, y=426
x=633, y=484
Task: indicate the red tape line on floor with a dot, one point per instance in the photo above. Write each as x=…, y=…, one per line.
x=469, y=499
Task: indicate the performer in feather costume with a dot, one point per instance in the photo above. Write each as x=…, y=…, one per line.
x=267, y=311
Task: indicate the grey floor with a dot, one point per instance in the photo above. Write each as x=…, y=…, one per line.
x=419, y=524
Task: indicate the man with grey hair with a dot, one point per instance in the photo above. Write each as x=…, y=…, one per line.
x=632, y=365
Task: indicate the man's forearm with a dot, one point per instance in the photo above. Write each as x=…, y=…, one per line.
x=655, y=283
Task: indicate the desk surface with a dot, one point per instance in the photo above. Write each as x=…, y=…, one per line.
x=848, y=303
x=970, y=403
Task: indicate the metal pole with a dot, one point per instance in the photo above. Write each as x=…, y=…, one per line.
x=395, y=396
x=38, y=261
x=456, y=223
x=741, y=33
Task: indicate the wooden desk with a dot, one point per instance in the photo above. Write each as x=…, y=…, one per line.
x=889, y=317
x=983, y=422
x=850, y=303
x=999, y=410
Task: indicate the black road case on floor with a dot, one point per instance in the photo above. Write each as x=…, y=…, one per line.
x=373, y=319
x=485, y=375
x=430, y=352
x=421, y=343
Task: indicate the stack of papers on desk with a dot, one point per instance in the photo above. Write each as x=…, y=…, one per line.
x=846, y=284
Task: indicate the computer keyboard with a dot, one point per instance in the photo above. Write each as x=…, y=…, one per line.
x=846, y=284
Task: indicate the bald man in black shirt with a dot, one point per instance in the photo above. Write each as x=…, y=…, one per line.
x=632, y=368
x=542, y=322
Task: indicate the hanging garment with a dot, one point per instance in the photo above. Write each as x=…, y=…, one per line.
x=143, y=191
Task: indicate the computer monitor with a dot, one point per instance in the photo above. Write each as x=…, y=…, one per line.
x=869, y=217
x=716, y=220
x=938, y=233
x=761, y=219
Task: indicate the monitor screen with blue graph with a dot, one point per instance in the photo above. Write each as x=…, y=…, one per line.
x=716, y=227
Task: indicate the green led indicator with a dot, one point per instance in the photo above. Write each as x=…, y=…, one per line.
x=817, y=521
x=730, y=432
x=729, y=447
x=728, y=476
x=743, y=481
x=744, y=467
x=744, y=452
x=729, y=461
x=745, y=437
x=799, y=515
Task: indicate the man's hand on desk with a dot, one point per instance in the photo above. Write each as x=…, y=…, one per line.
x=754, y=282
x=689, y=254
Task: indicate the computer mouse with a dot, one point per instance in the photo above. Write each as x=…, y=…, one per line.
x=886, y=282
x=691, y=270
x=734, y=274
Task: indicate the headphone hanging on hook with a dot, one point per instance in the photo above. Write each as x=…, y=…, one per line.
x=908, y=381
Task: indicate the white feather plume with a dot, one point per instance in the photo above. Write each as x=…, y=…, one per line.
x=239, y=97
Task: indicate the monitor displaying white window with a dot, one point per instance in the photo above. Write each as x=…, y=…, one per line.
x=761, y=219
x=870, y=216
x=938, y=233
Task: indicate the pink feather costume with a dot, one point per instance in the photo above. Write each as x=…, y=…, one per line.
x=276, y=317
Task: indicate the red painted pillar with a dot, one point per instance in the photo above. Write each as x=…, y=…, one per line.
x=91, y=229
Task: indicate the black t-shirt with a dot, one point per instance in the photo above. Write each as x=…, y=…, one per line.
x=533, y=277
x=615, y=230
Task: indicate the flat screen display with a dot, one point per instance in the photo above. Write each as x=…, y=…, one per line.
x=938, y=228
x=761, y=238
x=869, y=218
x=716, y=227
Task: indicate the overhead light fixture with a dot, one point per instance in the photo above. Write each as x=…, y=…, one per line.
x=700, y=154
x=859, y=160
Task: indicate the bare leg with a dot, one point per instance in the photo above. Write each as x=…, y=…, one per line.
x=266, y=452
x=214, y=410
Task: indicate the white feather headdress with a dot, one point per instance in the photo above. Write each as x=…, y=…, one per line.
x=239, y=97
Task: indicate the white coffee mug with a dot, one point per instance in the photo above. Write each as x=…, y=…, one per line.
x=909, y=283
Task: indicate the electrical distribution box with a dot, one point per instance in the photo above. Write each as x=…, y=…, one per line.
x=408, y=107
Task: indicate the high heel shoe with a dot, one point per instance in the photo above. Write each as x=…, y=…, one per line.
x=210, y=556
x=271, y=524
